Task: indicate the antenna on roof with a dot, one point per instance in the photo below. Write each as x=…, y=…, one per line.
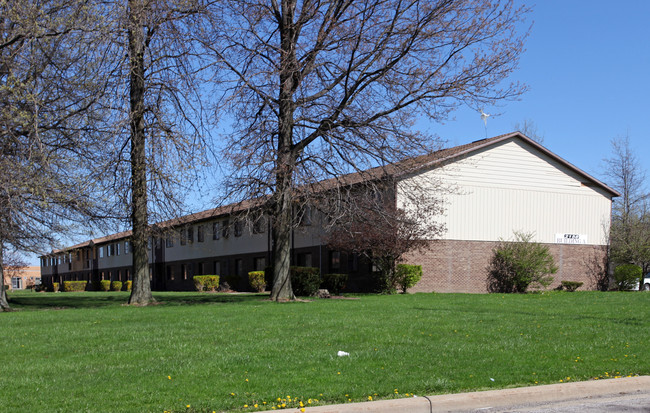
x=485, y=117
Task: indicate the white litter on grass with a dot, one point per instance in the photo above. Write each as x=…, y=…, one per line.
x=491, y=379
x=342, y=353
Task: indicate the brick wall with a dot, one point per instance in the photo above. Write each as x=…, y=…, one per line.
x=461, y=266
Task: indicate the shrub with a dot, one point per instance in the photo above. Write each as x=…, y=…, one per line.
x=116, y=285
x=571, y=285
x=55, y=287
x=69, y=286
x=408, y=275
x=104, y=285
x=257, y=281
x=305, y=280
x=627, y=276
x=206, y=282
x=198, y=282
x=518, y=264
x=127, y=285
x=335, y=283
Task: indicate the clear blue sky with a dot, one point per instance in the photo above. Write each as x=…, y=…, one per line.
x=587, y=65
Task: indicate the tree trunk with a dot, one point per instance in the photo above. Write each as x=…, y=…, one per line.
x=141, y=288
x=286, y=158
x=4, y=303
x=282, y=289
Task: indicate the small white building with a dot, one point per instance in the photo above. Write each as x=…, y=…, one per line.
x=500, y=185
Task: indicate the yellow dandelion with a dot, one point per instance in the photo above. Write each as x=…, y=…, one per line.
x=370, y=398
x=302, y=410
x=169, y=377
x=245, y=406
x=188, y=406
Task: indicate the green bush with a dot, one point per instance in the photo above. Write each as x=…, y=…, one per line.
x=116, y=285
x=256, y=280
x=627, y=276
x=571, y=285
x=198, y=281
x=335, y=283
x=69, y=286
x=206, y=282
x=518, y=264
x=104, y=285
x=305, y=280
x=126, y=286
x=408, y=276
x=55, y=287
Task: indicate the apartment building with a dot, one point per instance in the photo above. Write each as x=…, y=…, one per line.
x=502, y=184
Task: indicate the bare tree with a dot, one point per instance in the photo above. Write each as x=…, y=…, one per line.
x=529, y=128
x=321, y=88
x=50, y=148
x=160, y=135
x=630, y=228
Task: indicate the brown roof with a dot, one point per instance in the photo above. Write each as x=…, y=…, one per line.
x=398, y=169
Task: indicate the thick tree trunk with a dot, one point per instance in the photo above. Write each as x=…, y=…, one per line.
x=4, y=302
x=141, y=288
x=282, y=289
x=285, y=163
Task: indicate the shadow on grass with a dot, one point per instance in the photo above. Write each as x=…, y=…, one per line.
x=57, y=301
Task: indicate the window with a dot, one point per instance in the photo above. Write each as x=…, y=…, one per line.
x=217, y=268
x=225, y=229
x=260, y=263
x=335, y=260
x=239, y=226
x=169, y=241
x=183, y=237
x=128, y=275
x=16, y=283
x=200, y=237
x=304, y=259
x=216, y=234
x=127, y=247
x=170, y=272
x=259, y=226
x=101, y=252
x=239, y=266
x=184, y=271
x=190, y=235
x=201, y=269
x=305, y=216
x=117, y=249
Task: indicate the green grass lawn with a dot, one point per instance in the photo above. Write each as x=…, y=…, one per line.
x=212, y=352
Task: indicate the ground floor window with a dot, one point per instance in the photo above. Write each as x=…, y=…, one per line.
x=335, y=260
x=239, y=267
x=304, y=259
x=260, y=263
x=16, y=283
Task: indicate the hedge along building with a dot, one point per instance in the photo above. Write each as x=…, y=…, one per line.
x=502, y=184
